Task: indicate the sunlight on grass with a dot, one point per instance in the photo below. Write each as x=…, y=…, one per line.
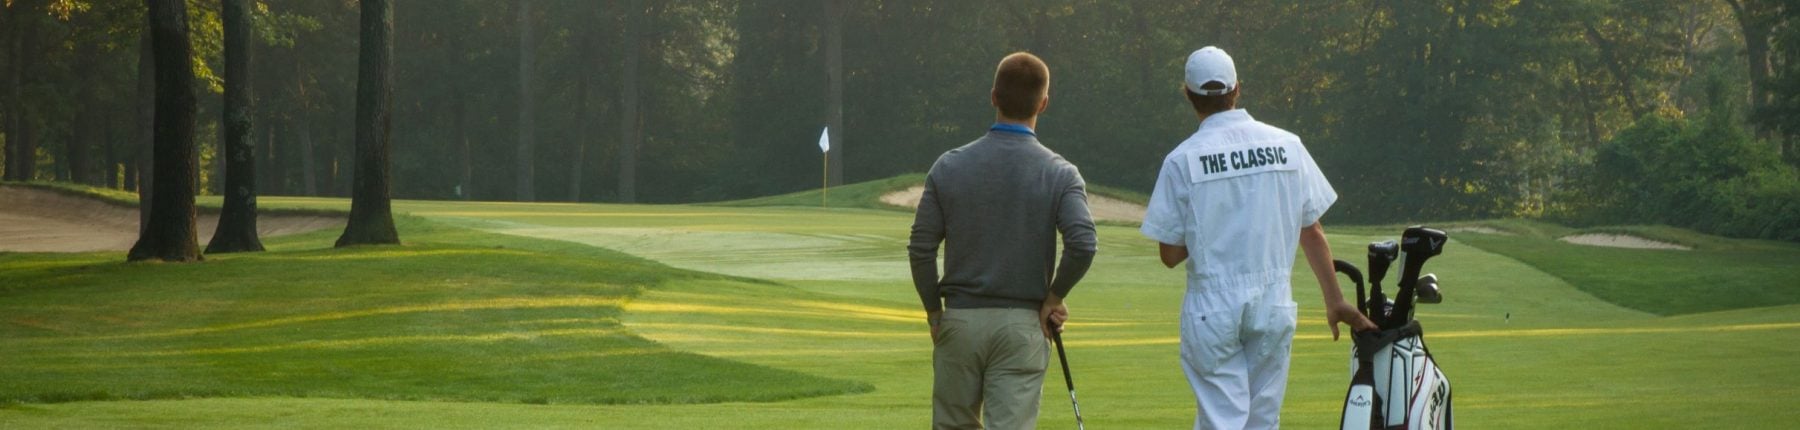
x=689, y=309
x=489, y=304
x=712, y=328
x=387, y=341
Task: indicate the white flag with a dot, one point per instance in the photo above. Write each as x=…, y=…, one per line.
x=825, y=140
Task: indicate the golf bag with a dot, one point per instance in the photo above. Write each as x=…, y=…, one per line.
x=1394, y=381
x=1396, y=384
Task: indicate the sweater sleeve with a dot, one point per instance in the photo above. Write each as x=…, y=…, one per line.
x=927, y=234
x=1077, y=227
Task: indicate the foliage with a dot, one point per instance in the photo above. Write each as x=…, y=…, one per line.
x=1415, y=109
x=1705, y=174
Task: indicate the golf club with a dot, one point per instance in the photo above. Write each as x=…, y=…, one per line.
x=1056, y=335
x=1355, y=278
x=1417, y=244
x=1428, y=289
x=1381, y=255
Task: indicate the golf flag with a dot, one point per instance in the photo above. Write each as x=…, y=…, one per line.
x=825, y=168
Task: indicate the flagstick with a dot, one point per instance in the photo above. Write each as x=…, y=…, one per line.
x=825, y=179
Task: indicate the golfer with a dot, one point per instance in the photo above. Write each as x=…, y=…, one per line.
x=1233, y=200
x=996, y=205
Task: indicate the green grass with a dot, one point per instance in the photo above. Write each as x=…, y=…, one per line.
x=455, y=315
x=1717, y=274
x=835, y=303
x=867, y=195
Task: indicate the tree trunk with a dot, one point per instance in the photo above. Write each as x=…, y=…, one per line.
x=170, y=233
x=87, y=131
x=526, y=173
x=146, y=127
x=21, y=145
x=1756, y=20
x=237, y=218
x=371, y=217
x=309, y=171
x=834, y=94
x=578, y=146
x=629, y=134
x=465, y=180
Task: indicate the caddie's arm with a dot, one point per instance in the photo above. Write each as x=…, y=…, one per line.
x=1172, y=254
x=1318, y=256
x=927, y=234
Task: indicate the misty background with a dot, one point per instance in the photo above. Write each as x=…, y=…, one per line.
x=1678, y=112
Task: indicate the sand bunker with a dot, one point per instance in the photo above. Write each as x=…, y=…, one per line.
x=1620, y=241
x=37, y=220
x=1478, y=229
x=1103, y=208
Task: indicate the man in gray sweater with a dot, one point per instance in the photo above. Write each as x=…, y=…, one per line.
x=996, y=205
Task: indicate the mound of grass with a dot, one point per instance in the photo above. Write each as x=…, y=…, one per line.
x=454, y=315
x=129, y=200
x=1718, y=274
x=867, y=195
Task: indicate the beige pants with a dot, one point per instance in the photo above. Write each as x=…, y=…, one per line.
x=988, y=362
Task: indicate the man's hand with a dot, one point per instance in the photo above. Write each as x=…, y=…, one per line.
x=934, y=319
x=1052, y=314
x=1340, y=311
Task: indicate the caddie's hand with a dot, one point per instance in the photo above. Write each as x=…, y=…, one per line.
x=1343, y=312
x=934, y=319
x=1052, y=315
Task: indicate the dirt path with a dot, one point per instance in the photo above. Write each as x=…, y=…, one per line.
x=1102, y=207
x=36, y=220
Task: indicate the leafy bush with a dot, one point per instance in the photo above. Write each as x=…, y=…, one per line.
x=1707, y=175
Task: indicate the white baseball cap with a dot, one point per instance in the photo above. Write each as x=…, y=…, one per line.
x=1211, y=64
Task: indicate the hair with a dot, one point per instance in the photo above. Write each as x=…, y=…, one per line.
x=1020, y=84
x=1208, y=105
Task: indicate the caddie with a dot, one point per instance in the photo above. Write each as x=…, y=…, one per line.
x=1233, y=200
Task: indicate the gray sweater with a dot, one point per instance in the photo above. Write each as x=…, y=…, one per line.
x=997, y=205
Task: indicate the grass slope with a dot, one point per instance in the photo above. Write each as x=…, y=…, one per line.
x=455, y=315
x=841, y=306
x=1718, y=274
x=867, y=195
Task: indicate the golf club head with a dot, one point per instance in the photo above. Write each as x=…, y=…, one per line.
x=1417, y=244
x=1381, y=254
x=1428, y=289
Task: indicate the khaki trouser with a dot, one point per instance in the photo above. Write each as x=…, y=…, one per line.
x=991, y=362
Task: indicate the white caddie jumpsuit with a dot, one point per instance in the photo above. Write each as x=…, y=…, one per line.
x=1236, y=194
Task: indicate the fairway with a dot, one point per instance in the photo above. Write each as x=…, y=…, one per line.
x=813, y=325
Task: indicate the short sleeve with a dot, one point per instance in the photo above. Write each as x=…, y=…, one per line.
x=1165, y=218
x=1315, y=189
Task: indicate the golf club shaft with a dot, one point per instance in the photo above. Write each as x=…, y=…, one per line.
x=1056, y=335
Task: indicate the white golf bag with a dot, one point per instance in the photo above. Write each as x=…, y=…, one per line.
x=1396, y=384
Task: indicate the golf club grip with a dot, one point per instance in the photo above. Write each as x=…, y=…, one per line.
x=1064, y=358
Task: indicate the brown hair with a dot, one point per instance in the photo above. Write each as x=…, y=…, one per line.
x=1020, y=84
x=1208, y=105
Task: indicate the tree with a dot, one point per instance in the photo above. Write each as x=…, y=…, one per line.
x=526, y=174
x=146, y=126
x=237, y=219
x=169, y=236
x=371, y=214
x=630, y=133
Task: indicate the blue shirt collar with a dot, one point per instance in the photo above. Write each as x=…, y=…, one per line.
x=1012, y=128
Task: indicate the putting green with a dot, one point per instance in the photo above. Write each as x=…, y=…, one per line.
x=841, y=307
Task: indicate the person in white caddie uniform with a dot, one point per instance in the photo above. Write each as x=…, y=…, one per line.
x=1233, y=200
